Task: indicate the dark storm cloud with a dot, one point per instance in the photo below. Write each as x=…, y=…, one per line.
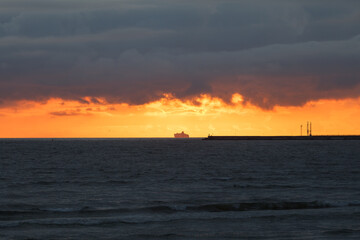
x=274, y=53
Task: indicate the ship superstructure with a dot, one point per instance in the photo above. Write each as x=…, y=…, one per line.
x=181, y=135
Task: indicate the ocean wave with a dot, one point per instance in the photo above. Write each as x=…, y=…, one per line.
x=250, y=206
x=222, y=207
x=64, y=209
x=243, y=206
x=64, y=222
x=58, y=182
x=342, y=231
x=87, y=209
x=265, y=186
x=157, y=236
x=168, y=208
x=40, y=210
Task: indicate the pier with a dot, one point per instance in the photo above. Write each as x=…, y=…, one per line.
x=316, y=137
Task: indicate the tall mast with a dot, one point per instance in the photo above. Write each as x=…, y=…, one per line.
x=307, y=128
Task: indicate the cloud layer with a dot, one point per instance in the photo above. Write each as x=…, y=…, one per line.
x=278, y=53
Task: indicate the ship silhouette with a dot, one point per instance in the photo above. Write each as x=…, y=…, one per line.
x=181, y=135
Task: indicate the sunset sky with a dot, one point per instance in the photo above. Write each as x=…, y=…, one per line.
x=139, y=68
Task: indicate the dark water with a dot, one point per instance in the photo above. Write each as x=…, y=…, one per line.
x=179, y=189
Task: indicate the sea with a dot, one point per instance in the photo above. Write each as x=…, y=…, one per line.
x=179, y=189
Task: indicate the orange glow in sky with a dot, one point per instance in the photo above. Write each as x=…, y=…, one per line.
x=57, y=118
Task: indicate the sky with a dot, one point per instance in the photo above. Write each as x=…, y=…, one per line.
x=136, y=68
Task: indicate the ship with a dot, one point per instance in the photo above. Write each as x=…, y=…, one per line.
x=181, y=135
